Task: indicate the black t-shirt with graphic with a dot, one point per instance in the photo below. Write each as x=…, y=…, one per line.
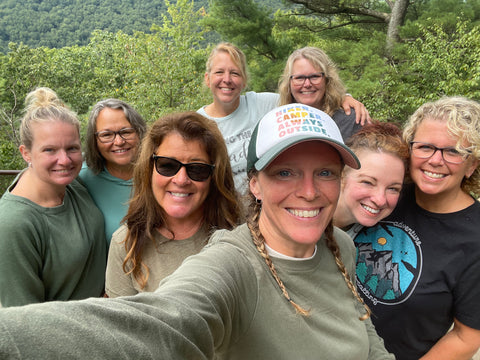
x=417, y=271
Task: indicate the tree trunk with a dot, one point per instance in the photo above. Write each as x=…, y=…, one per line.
x=399, y=11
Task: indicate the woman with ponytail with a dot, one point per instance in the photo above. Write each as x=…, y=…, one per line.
x=279, y=287
x=52, y=242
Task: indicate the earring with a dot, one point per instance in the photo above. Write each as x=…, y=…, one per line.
x=29, y=164
x=258, y=201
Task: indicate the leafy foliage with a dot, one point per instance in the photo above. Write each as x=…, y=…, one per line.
x=160, y=69
x=60, y=23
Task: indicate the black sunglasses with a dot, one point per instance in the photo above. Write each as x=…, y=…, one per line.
x=169, y=167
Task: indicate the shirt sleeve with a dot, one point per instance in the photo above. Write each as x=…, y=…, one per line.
x=189, y=317
x=20, y=258
x=466, y=295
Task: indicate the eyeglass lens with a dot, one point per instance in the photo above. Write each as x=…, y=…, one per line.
x=314, y=79
x=169, y=167
x=109, y=136
x=449, y=154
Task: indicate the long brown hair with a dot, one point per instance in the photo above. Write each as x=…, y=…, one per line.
x=145, y=215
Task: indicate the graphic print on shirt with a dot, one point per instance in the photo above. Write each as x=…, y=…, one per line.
x=389, y=262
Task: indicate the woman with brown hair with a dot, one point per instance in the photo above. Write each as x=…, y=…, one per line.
x=278, y=287
x=183, y=190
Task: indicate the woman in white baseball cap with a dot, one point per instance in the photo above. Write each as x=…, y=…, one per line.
x=279, y=287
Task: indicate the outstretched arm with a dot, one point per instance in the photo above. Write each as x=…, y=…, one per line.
x=188, y=317
x=361, y=112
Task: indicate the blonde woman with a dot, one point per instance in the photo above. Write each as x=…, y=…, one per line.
x=236, y=112
x=52, y=242
x=419, y=269
x=311, y=78
x=279, y=287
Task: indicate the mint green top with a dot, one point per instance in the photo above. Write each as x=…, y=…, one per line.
x=51, y=253
x=110, y=194
x=222, y=303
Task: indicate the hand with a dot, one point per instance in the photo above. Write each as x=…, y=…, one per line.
x=361, y=113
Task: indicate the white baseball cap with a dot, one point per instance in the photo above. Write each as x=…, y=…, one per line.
x=288, y=125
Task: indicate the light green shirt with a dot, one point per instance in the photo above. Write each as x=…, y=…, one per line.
x=222, y=303
x=162, y=257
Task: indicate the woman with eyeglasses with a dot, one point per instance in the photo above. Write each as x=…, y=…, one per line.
x=311, y=78
x=183, y=190
x=114, y=132
x=278, y=287
x=235, y=113
x=419, y=270
x=52, y=245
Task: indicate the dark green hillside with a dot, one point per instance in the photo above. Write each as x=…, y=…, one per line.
x=59, y=23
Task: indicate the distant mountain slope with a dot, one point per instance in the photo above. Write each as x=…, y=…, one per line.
x=59, y=23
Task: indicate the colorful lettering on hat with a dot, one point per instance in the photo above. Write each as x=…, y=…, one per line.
x=298, y=119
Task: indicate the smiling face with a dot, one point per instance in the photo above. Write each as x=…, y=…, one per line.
x=435, y=176
x=225, y=80
x=120, y=153
x=55, y=154
x=299, y=192
x=181, y=197
x=370, y=193
x=307, y=93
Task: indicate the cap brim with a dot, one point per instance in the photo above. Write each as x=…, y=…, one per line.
x=348, y=157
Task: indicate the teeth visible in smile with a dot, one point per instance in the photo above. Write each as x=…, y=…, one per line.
x=372, y=210
x=304, y=213
x=63, y=171
x=179, y=194
x=433, y=175
x=120, y=151
x=227, y=89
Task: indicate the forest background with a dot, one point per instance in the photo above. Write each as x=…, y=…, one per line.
x=392, y=55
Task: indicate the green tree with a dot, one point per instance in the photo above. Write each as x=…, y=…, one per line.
x=165, y=68
x=436, y=64
x=250, y=26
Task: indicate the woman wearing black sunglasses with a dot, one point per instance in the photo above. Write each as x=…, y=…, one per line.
x=183, y=189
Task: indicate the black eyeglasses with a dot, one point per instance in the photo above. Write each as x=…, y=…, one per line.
x=449, y=154
x=109, y=136
x=169, y=167
x=299, y=80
